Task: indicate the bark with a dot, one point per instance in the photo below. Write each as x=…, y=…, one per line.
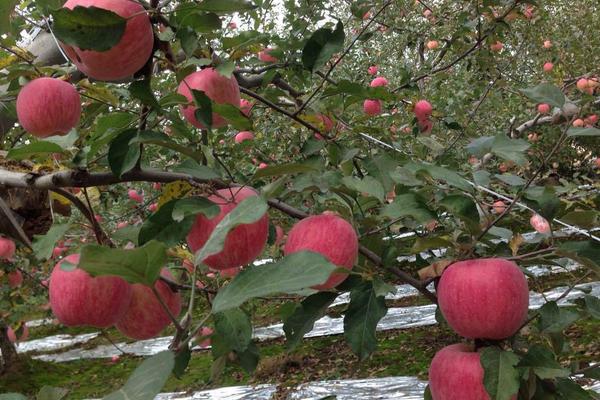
x=10, y=358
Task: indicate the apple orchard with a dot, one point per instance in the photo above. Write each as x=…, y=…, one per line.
x=152, y=151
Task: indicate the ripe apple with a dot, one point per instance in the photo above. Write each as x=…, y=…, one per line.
x=484, y=298
x=244, y=135
x=145, y=317
x=122, y=224
x=12, y=336
x=57, y=251
x=156, y=186
x=230, y=273
x=7, y=248
x=379, y=81
x=126, y=57
x=232, y=25
x=218, y=88
x=265, y=56
x=433, y=44
x=153, y=207
x=425, y=126
x=456, y=373
x=48, y=106
x=547, y=44
x=496, y=47
x=578, y=123
x=597, y=162
x=548, y=67
x=243, y=244
x=76, y=298
x=372, y=70
x=205, y=332
x=539, y=223
x=326, y=122
x=262, y=165
x=15, y=279
x=427, y=13
x=135, y=196
x=499, y=207
x=543, y=108
x=422, y=110
x=372, y=107
x=329, y=235
x=245, y=106
x=591, y=119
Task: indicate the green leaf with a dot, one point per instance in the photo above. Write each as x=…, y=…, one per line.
x=569, y=390
x=44, y=244
x=226, y=6
x=249, y=358
x=440, y=173
x=234, y=116
x=409, y=205
x=196, y=170
x=147, y=380
x=591, y=131
x=361, y=318
x=249, y=210
x=585, y=219
x=500, y=377
x=160, y=139
x=510, y=149
x=510, y=179
x=203, y=112
x=121, y=156
x=162, y=227
x=302, y=320
x=235, y=329
x=182, y=360
x=12, y=396
x=555, y=319
x=541, y=361
x=545, y=93
x=464, y=208
x=193, y=206
x=367, y=185
x=51, y=393
x=292, y=273
x=196, y=19
x=592, y=305
x=322, y=45
x=89, y=28
x=546, y=199
x=7, y=7
x=139, y=265
x=33, y=149
x=584, y=252
x=284, y=169
x=142, y=91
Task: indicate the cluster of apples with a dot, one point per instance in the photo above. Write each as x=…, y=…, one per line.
x=480, y=299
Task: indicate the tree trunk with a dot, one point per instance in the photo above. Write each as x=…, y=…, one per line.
x=10, y=357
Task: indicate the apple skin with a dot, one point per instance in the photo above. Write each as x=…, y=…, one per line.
x=77, y=298
x=266, y=57
x=15, y=279
x=372, y=107
x=543, y=108
x=329, y=235
x=243, y=244
x=484, y=298
x=423, y=110
x=548, y=67
x=372, y=70
x=456, y=373
x=243, y=135
x=379, y=81
x=245, y=107
x=145, y=318
x=539, y=223
x=218, y=88
x=7, y=248
x=126, y=57
x=48, y=106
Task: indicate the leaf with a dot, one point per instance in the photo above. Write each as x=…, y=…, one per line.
x=510, y=179
x=233, y=116
x=162, y=227
x=121, y=156
x=284, y=169
x=51, y=393
x=545, y=93
x=591, y=131
x=323, y=43
x=569, y=390
x=226, y=6
x=147, y=380
x=44, y=244
x=292, y=273
x=235, y=329
x=194, y=206
x=361, y=318
x=12, y=396
x=585, y=252
x=203, y=112
x=409, y=205
x=139, y=265
x=249, y=358
x=541, y=361
x=32, y=149
x=500, y=377
x=196, y=19
x=7, y=7
x=592, y=305
x=182, y=360
x=584, y=219
x=302, y=320
x=464, y=208
x=142, y=91
x=249, y=210
x=441, y=173
x=510, y=149
x=196, y=170
x=368, y=185
x=555, y=319
x=89, y=28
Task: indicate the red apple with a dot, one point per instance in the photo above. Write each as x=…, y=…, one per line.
x=539, y=223
x=57, y=251
x=48, y=106
x=578, y=123
x=499, y=207
x=484, y=298
x=76, y=298
x=156, y=186
x=543, y=108
x=219, y=89
x=547, y=44
x=12, y=336
x=245, y=106
x=329, y=235
x=243, y=135
x=7, y=248
x=145, y=317
x=122, y=225
x=379, y=81
x=497, y=46
x=425, y=126
x=243, y=244
x=326, y=122
x=126, y=57
x=432, y=44
x=15, y=279
x=205, y=332
x=262, y=165
x=232, y=25
x=548, y=67
x=456, y=373
x=423, y=110
x=135, y=196
x=372, y=70
x=372, y=107
x=265, y=56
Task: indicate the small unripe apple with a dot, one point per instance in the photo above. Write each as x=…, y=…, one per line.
x=497, y=46
x=265, y=56
x=372, y=70
x=433, y=44
x=244, y=135
x=540, y=224
x=379, y=81
x=76, y=298
x=329, y=235
x=126, y=57
x=48, y=106
x=7, y=249
x=543, y=108
x=456, y=373
x=145, y=317
x=499, y=207
x=243, y=244
x=135, y=196
x=372, y=107
x=218, y=88
x=578, y=123
x=547, y=44
x=484, y=298
x=548, y=67
x=423, y=110
x=15, y=279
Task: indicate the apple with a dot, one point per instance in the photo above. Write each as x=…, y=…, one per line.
x=126, y=57
x=473, y=160
x=156, y=186
x=432, y=44
x=425, y=126
x=122, y=224
x=372, y=70
x=456, y=373
x=582, y=84
x=422, y=110
x=57, y=251
x=246, y=106
x=219, y=89
x=262, y=165
x=543, y=108
x=539, y=223
x=548, y=67
x=15, y=279
x=496, y=47
x=153, y=207
x=484, y=298
x=205, y=332
x=7, y=248
x=329, y=235
x=326, y=122
x=98, y=218
x=372, y=107
x=597, y=162
x=12, y=336
x=578, y=123
x=76, y=298
x=230, y=273
x=135, y=196
x=547, y=44
x=244, y=135
x=379, y=81
x=533, y=137
x=48, y=106
x=591, y=119
x=232, y=25
x=145, y=317
x=499, y=207
x=265, y=56
x=243, y=244
x=427, y=13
